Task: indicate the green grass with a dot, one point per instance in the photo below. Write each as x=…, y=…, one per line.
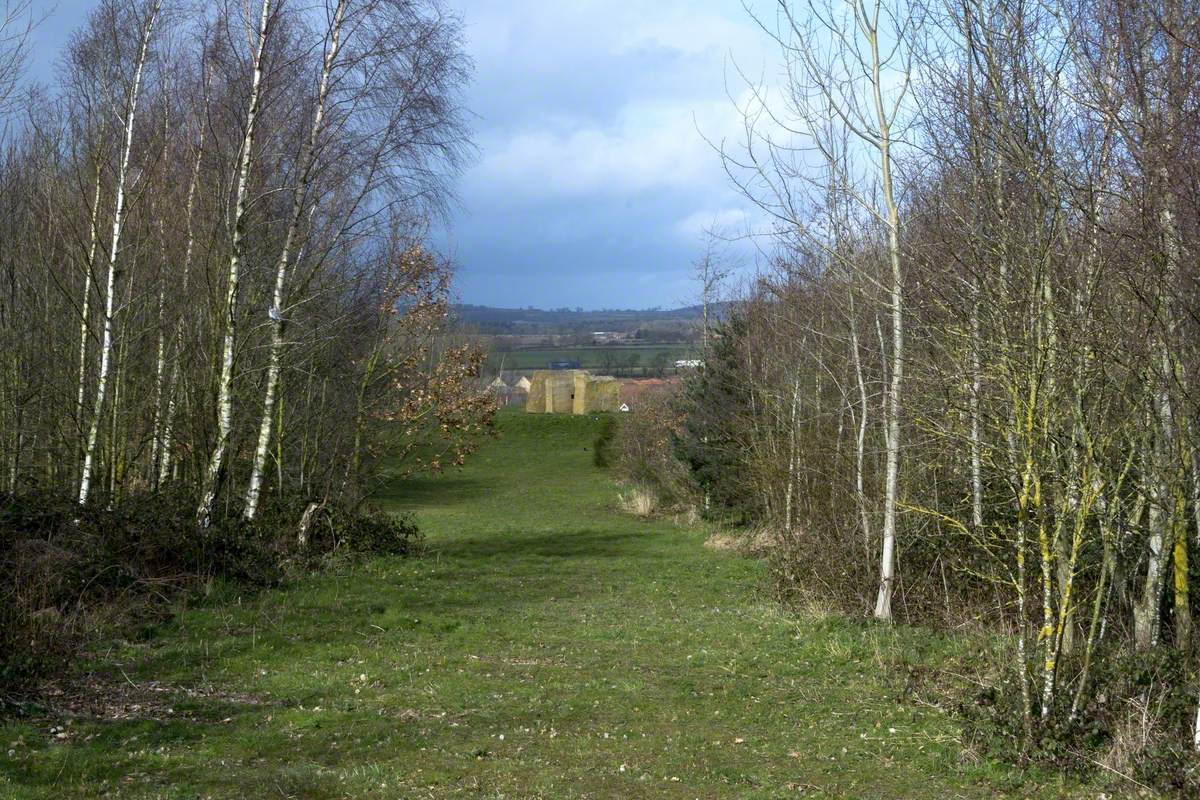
x=597, y=357
x=547, y=646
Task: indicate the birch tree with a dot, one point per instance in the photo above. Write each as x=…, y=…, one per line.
x=300, y=191
x=241, y=158
x=17, y=22
x=849, y=64
x=245, y=161
x=1046, y=258
x=384, y=137
x=167, y=431
x=149, y=17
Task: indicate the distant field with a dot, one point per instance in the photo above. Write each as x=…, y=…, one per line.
x=594, y=357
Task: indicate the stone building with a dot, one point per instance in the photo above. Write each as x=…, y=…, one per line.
x=573, y=391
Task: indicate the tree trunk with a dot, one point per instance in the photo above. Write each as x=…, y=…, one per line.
x=106, y=347
x=278, y=322
x=976, y=443
x=1146, y=612
x=887, y=567
x=160, y=356
x=216, y=463
x=85, y=309
x=168, y=429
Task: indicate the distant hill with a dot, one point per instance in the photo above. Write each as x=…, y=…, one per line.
x=490, y=320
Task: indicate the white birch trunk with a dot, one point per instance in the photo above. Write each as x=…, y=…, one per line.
x=85, y=310
x=159, y=361
x=168, y=429
x=1196, y=734
x=216, y=463
x=789, y=508
x=1146, y=611
x=278, y=322
x=976, y=443
x=860, y=443
x=976, y=356
x=1161, y=512
x=15, y=463
x=887, y=566
x=85, y=480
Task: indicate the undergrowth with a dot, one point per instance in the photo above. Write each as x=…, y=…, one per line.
x=69, y=575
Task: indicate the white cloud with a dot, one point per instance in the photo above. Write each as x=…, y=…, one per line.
x=648, y=147
x=623, y=94
x=593, y=120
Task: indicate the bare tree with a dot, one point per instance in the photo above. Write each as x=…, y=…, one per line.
x=848, y=64
x=146, y=20
x=17, y=22
x=216, y=462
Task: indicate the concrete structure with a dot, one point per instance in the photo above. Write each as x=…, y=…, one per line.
x=572, y=392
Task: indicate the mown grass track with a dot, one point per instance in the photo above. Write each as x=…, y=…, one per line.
x=546, y=646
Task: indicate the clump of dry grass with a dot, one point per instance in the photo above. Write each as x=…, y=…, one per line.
x=1136, y=726
x=724, y=542
x=639, y=501
x=757, y=542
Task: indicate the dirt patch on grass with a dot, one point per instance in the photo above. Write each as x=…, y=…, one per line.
x=119, y=698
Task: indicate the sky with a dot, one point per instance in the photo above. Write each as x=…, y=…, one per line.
x=593, y=182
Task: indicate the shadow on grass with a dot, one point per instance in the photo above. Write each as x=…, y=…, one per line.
x=515, y=544
x=458, y=580
x=118, y=749
x=410, y=494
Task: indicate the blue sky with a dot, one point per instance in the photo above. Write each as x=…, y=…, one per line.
x=593, y=182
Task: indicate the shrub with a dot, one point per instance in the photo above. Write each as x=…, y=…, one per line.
x=69, y=575
x=1134, y=722
x=333, y=529
x=715, y=423
x=602, y=447
x=643, y=451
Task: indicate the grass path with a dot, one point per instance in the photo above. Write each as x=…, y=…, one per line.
x=546, y=647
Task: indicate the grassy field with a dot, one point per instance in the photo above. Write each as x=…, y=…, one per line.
x=546, y=647
x=597, y=357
